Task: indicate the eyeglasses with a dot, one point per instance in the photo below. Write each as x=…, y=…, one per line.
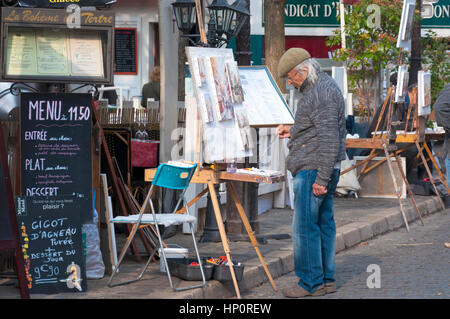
x=297, y=73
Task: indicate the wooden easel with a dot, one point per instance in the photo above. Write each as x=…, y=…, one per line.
x=212, y=177
x=381, y=141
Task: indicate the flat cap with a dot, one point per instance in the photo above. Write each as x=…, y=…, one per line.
x=290, y=59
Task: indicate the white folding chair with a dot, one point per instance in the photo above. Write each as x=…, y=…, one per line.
x=166, y=176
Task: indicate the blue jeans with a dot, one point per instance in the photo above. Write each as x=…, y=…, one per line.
x=314, y=231
x=447, y=168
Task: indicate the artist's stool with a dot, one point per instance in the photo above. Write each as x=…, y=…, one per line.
x=166, y=176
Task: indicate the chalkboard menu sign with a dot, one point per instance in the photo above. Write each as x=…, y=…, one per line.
x=125, y=51
x=56, y=153
x=52, y=244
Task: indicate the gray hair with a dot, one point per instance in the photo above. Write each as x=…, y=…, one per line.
x=313, y=68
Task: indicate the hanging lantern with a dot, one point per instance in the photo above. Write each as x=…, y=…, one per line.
x=185, y=14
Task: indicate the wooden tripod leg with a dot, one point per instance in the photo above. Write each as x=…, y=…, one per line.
x=250, y=232
x=436, y=166
x=223, y=236
x=371, y=155
x=429, y=173
x=397, y=190
x=192, y=202
x=397, y=159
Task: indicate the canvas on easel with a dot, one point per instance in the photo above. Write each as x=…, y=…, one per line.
x=424, y=93
x=265, y=104
x=402, y=84
x=219, y=97
x=406, y=23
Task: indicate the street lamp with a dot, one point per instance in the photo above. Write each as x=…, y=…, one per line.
x=185, y=15
x=225, y=20
x=240, y=16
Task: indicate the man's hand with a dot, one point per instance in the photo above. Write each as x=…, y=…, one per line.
x=283, y=131
x=319, y=190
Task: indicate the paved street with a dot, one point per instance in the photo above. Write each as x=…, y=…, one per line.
x=412, y=265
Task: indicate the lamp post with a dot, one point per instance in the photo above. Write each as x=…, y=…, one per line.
x=225, y=22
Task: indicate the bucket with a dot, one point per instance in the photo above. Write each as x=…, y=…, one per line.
x=172, y=251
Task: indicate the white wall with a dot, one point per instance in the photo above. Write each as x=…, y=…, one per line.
x=137, y=14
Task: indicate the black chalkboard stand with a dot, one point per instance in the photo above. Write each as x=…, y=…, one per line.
x=12, y=243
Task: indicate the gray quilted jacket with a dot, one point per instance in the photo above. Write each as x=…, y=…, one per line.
x=318, y=135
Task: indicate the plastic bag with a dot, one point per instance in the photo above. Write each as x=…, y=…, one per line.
x=95, y=268
x=348, y=181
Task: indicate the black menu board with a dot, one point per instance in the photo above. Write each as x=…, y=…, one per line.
x=125, y=51
x=52, y=244
x=56, y=153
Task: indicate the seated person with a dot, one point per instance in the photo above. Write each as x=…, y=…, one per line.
x=152, y=88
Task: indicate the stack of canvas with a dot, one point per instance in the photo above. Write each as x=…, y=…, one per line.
x=219, y=95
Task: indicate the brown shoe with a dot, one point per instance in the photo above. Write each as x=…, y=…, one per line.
x=330, y=287
x=297, y=292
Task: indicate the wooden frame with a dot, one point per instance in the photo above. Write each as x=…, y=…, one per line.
x=13, y=243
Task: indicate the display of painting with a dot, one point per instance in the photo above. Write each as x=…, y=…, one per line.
x=424, y=77
x=226, y=133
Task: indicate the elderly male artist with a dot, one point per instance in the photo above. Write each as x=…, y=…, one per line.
x=316, y=148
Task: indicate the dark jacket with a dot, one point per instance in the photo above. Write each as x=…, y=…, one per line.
x=318, y=134
x=150, y=90
x=442, y=112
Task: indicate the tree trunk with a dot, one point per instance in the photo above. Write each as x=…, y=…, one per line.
x=274, y=40
x=416, y=47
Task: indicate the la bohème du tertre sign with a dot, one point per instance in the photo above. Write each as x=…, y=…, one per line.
x=64, y=3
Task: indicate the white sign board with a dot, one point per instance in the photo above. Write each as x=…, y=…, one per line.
x=263, y=100
x=424, y=93
x=406, y=24
x=402, y=84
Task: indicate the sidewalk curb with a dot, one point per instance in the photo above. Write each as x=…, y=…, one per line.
x=282, y=262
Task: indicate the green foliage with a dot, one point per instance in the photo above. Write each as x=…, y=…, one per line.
x=369, y=46
x=371, y=37
x=435, y=59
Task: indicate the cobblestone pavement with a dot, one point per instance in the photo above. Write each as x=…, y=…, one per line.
x=412, y=265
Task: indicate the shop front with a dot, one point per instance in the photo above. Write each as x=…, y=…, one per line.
x=308, y=24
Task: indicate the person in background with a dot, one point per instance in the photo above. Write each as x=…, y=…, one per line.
x=316, y=149
x=441, y=109
x=152, y=88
